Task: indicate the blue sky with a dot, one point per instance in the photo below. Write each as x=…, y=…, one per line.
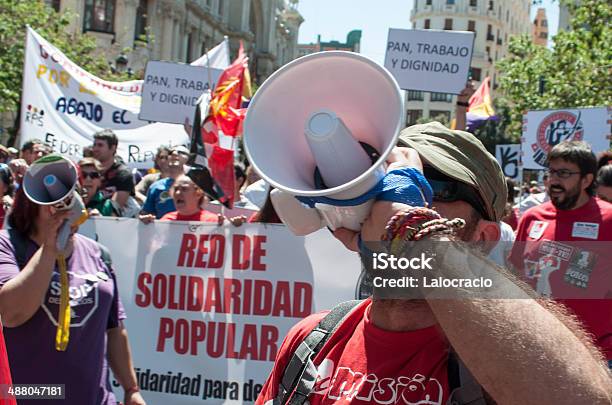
x=333, y=19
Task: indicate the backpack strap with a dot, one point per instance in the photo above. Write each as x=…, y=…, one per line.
x=300, y=374
x=20, y=244
x=105, y=256
x=464, y=389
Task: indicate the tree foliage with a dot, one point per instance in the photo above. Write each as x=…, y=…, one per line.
x=53, y=26
x=576, y=71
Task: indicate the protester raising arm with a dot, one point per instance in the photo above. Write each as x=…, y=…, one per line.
x=518, y=349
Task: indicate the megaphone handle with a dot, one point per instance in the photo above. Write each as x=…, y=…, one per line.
x=62, y=235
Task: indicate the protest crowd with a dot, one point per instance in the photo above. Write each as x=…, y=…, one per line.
x=542, y=336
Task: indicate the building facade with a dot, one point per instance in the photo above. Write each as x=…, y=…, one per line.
x=493, y=22
x=539, y=31
x=183, y=30
x=352, y=44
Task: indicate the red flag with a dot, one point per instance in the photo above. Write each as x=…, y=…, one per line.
x=227, y=97
x=5, y=374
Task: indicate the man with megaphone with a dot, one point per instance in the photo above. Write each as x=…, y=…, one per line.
x=331, y=146
x=59, y=300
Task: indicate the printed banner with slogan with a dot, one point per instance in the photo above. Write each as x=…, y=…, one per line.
x=430, y=60
x=170, y=90
x=544, y=129
x=509, y=158
x=64, y=105
x=208, y=307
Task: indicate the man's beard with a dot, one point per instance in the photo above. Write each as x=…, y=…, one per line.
x=568, y=200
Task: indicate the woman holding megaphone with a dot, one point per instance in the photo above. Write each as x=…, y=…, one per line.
x=60, y=306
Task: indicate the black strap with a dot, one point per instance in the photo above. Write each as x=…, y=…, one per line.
x=300, y=374
x=464, y=389
x=20, y=245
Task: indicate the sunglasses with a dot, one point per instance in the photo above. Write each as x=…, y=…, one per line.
x=91, y=175
x=446, y=189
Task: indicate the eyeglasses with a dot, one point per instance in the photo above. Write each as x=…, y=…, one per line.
x=91, y=175
x=561, y=173
x=449, y=190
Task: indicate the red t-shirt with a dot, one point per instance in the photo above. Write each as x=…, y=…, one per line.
x=565, y=254
x=364, y=364
x=201, y=216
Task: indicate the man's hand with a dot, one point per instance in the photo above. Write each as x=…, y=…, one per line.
x=467, y=92
x=18, y=167
x=374, y=226
x=146, y=218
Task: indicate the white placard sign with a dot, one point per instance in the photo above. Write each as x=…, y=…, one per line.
x=208, y=307
x=64, y=105
x=546, y=128
x=429, y=60
x=509, y=158
x=170, y=90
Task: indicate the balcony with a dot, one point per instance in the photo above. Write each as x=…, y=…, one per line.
x=490, y=37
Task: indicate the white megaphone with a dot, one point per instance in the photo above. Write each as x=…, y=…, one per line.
x=52, y=180
x=321, y=127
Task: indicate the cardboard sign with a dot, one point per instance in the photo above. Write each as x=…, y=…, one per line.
x=430, y=60
x=544, y=129
x=171, y=90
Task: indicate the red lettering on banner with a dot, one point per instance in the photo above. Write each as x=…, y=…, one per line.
x=211, y=247
x=224, y=295
x=263, y=305
x=219, y=339
x=188, y=244
x=241, y=252
x=143, y=300
x=259, y=252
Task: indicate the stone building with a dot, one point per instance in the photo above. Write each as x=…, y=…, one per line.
x=353, y=44
x=131, y=32
x=539, y=31
x=493, y=21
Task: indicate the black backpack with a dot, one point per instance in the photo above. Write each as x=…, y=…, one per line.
x=301, y=373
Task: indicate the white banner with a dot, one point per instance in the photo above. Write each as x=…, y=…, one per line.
x=170, y=90
x=509, y=158
x=430, y=60
x=64, y=105
x=546, y=128
x=208, y=307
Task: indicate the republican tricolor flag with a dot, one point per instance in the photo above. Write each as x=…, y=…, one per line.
x=481, y=107
x=216, y=126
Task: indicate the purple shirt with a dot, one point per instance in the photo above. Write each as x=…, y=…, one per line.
x=96, y=307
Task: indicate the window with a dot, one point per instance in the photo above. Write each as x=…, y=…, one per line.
x=437, y=115
x=413, y=116
x=544, y=35
x=221, y=7
x=444, y=97
x=99, y=15
x=490, y=36
x=427, y=24
x=544, y=23
x=140, y=25
x=415, y=95
x=491, y=5
x=428, y=2
x=473, y=3
x=54, y=4
x=448, y=23
x=507, y=15
x=450, y=2
x=189, y=54
x=472, y=25
x=475, y=73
